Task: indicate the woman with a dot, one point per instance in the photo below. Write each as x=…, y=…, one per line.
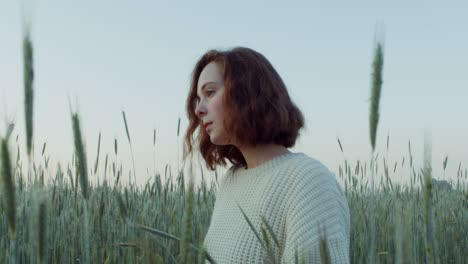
x=244, y=114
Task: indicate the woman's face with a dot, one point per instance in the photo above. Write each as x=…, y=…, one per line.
x=209, y=109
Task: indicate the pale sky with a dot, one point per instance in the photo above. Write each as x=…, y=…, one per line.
x=137, y=56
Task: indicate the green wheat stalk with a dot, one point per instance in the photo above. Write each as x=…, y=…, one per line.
x=377, y=67
x=130, y=142
x=252, y=227
x=376, y=87
x=10, y=128
x=187, y=224
x=82, y=169
x=115, y=146
x=324, y=251
x=160, y=233
x=97, y=155
x=8, y=187
x=81, y=155
x=430, y=242
x=270, y=230
x=269, y=256
x=154, y=151
x=42, y=224
x=341, y=146
x=28, y=71
x=122, y=206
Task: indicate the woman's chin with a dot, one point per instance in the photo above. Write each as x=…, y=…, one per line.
x=217, y=141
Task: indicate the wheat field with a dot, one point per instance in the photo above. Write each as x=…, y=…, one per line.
x=123, y=221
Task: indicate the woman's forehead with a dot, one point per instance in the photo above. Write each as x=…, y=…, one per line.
x=211, y=73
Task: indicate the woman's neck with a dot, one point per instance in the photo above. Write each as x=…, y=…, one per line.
x=255, y=156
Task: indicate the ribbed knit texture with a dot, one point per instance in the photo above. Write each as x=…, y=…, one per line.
x=298, y=196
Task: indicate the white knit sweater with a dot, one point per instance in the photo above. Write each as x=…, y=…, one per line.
x=298, y=196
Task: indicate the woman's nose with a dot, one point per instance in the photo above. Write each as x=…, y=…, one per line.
x=200, y=110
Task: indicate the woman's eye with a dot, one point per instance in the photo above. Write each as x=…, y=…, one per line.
x=209, y=93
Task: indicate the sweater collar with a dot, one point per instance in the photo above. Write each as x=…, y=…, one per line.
x=268, y=165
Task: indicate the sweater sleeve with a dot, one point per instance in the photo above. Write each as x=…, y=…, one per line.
x=316, y=206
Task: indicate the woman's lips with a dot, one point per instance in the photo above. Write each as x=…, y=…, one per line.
x=207, y=125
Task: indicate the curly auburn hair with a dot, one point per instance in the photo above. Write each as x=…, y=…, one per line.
x=258, y=109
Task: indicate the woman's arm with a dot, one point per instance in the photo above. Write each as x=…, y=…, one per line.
x=316, y=206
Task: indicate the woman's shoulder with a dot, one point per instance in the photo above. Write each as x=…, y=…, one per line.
x=302, y=164
x=306, y=172
x=312, y=183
